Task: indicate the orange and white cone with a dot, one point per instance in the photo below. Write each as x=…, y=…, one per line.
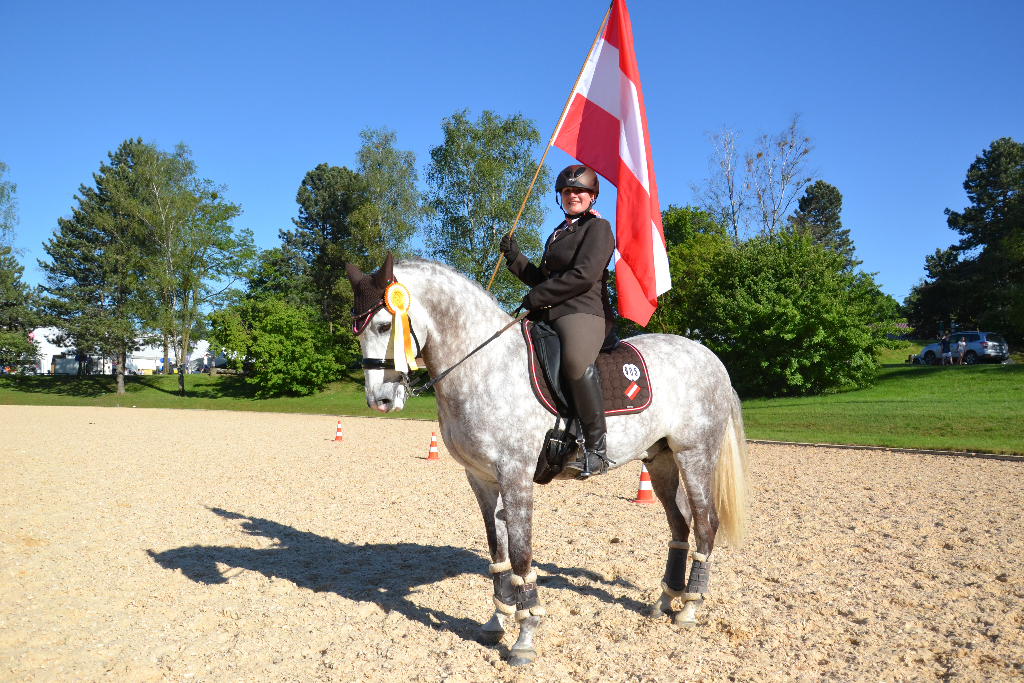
x=432, y=453
x=337, y=437
x=645, y=494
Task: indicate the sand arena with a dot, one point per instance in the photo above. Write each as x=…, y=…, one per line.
x=150, y=545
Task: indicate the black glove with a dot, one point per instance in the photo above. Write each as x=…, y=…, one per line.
x=510, y=247
x=527, y=306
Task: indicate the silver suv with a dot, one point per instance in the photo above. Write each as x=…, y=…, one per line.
x=981, y=346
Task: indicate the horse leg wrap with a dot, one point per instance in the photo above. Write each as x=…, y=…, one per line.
x=700, y=571
x=527, y=599
x=674, y=583
x=504, y=595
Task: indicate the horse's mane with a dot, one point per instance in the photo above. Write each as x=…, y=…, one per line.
x=437, y=271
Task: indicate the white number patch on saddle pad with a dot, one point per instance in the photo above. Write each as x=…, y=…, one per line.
x=631, y=372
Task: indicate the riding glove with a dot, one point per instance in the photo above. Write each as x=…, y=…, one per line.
x=510, y=247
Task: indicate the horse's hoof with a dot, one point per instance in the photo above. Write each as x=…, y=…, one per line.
x=683, y=621
x=491, y=637
x=522, y=657
x=654, y=612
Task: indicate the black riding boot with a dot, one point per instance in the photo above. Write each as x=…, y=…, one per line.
x=589, y=403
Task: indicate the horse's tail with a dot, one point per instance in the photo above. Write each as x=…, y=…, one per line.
x=730, y=482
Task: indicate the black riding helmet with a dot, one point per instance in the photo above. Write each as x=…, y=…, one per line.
x=577, y=175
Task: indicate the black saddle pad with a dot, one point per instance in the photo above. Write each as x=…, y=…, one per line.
x=624, y=381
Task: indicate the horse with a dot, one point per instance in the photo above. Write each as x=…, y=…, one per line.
x=494, y=426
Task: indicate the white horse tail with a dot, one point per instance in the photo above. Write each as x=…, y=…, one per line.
x=730, y=482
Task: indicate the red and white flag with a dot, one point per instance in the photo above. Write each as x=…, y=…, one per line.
x=605, y=128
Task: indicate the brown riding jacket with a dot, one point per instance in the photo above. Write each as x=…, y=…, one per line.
x=573, y=271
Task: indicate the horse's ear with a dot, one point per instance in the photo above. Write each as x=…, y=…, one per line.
x=354, y=274
x=382, y=278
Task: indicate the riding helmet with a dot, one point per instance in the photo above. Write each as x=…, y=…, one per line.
x=578, y=175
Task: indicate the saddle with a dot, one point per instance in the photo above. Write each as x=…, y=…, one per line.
x=624, y=381
x=624, y=384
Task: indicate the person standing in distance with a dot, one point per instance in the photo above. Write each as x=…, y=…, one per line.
x=570, y=290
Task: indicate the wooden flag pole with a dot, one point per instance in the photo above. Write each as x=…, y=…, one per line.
x=572, y=92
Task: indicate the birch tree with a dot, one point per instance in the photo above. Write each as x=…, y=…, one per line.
x=193, y=254
x=776, y=174
x=723, y=194
x=477, y=179
x=392, y=206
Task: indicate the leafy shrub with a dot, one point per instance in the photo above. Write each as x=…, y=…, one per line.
x=786, y=316
x=285, y=349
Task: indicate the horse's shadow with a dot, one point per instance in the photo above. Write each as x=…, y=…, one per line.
x=386, y=574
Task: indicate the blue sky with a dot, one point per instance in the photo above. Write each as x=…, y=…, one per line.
x=899, y=98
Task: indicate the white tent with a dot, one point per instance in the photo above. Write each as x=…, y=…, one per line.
x=61, y=360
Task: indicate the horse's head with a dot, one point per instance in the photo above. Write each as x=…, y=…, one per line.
x=386, y=390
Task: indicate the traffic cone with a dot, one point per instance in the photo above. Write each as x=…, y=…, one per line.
x=337, y=437
x=432, y=453
x=645, y=494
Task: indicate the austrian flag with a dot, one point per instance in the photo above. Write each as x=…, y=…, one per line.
x=605, y=127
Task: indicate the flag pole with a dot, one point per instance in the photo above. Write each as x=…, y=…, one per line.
x=572, y=92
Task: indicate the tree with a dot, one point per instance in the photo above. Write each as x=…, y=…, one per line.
x=194, y=256
x=17, y=313
x=323, y=237
x=723, y=196
x=286, y=349
x=92, y=291
x=8, y=206
x=682, y=223
x=819, y=215
x=392, y=208
x=477, y=180
x=980, y=280
x=281, y=272
x=776, y=172
x=785, y=315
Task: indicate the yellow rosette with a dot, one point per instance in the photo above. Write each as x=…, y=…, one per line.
x=397, y=300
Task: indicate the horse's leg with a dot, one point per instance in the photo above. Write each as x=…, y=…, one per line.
x=665, y=483
x=489, y=500
x=697, y=467
x=517, y=496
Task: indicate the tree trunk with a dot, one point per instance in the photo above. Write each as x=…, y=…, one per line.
x=122, y=359
x=167, y=358
x=182, y=367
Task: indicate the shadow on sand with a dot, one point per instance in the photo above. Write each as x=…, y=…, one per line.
x=384, y=573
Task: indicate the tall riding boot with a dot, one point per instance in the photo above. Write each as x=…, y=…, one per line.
x=589, y=403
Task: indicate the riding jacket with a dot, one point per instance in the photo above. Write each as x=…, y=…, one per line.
x=573, y=273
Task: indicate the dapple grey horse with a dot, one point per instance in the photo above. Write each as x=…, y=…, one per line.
x=494, y=426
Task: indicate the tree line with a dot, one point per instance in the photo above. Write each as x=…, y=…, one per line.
x=764, y=272
x=978, y=283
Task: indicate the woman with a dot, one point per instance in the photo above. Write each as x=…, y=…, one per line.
x=569, y=289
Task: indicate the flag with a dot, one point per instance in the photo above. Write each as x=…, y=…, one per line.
x=605, y=127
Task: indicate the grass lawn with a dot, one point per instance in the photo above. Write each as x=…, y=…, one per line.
x=970, y=407
x=899, y=355
x=344, y=397
x=977, y=408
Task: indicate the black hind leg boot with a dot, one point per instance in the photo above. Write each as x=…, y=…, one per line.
x=589, y=403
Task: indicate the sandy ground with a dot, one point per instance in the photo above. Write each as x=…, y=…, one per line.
x=149, y=545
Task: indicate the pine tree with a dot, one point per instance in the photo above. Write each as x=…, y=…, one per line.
x=819, y=215
x=17, y=313
x=92, y=279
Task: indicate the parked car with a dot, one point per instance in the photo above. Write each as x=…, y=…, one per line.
x=981, y=347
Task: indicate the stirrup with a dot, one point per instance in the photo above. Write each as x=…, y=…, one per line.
x=586, y=468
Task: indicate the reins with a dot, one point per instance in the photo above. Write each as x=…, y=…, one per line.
x=419, y=390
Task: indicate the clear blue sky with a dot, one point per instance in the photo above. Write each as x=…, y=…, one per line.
x=898, y=97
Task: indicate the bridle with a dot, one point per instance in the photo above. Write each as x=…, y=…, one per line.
x=389, y=363
x=359, y=323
